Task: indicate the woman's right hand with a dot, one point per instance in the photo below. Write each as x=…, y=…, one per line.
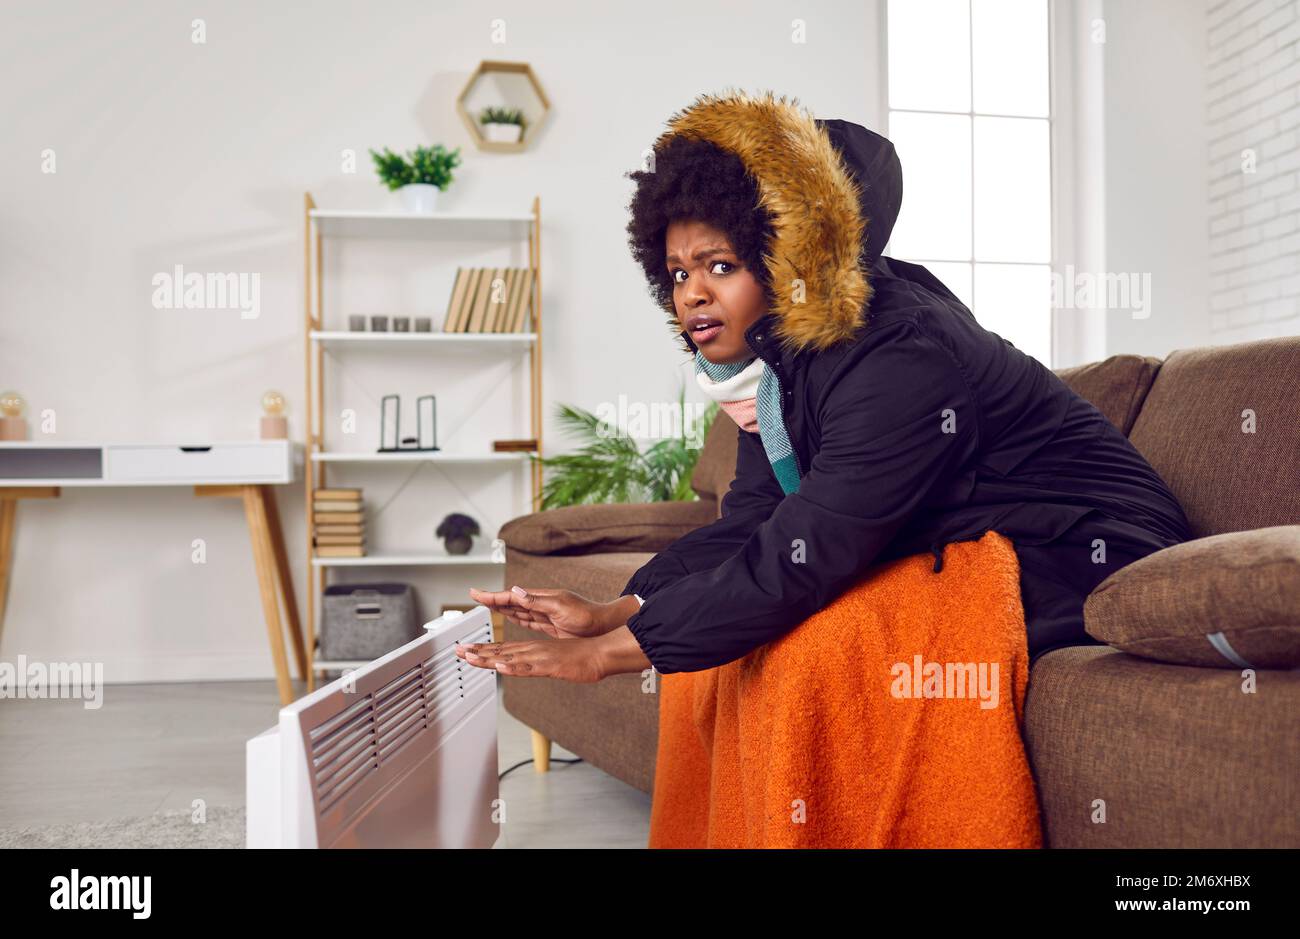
x=561, y=614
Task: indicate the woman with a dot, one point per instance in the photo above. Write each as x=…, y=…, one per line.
x=877, y=418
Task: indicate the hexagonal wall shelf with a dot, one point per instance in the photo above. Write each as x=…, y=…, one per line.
x=503, y=84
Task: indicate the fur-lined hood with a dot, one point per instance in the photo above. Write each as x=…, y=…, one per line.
x=833, y=189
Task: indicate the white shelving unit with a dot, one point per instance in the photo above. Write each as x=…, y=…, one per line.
x=321, y=223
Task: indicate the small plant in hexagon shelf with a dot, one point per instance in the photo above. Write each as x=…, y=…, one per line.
x=502, y=125
x=418, y=175
x=456, y=532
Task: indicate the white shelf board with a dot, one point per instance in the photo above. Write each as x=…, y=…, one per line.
x=336, y=339
x=482, y=558
x=423, y=456
x=364, y=224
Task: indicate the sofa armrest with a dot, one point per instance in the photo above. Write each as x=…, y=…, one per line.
x=607, y=527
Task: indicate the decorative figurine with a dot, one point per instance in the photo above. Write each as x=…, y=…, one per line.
x=275, y=426
x=456, y=532
x=390, y=425
x=12, y=424
x=426, y=406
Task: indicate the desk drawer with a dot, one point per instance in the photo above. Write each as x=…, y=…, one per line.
x=254, y=462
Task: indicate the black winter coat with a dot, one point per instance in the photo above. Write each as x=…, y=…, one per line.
x=913, y=427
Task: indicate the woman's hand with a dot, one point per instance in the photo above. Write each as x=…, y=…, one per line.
x=580, y=660
x=561, y=614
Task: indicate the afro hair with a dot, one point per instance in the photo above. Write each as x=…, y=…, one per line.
x=694, y=179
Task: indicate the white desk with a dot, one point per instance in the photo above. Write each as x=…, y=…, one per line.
x=244, y=469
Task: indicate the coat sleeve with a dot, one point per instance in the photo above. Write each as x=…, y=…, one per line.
x=896, y=423
x=753, y=496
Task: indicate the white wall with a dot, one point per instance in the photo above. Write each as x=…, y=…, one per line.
x=1156, y=215
x=174, y=153
x=1254, y=82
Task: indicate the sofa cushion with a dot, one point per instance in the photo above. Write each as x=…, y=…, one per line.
x=716, y=467
x=1230, y=600
x=1130, y=753
x=1220, y=426
x=612, y=526
x=1116, y=386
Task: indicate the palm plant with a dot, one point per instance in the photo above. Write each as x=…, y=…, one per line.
x=610, y=467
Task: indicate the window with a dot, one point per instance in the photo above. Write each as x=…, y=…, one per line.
x=970, y=115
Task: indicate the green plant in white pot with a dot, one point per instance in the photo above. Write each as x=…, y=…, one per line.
x=502, y=125
x=418, y=176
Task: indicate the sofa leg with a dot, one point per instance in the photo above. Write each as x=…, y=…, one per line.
x=541, y=752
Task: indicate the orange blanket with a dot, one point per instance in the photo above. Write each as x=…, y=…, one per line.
x=848, y=731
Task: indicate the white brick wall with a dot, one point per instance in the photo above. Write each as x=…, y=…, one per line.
x=1253, y=104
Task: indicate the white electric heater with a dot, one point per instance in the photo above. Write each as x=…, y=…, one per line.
x=401, y=753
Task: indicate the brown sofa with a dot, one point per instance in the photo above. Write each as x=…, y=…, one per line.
x=1176, y=755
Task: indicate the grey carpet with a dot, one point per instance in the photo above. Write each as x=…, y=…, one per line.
x=222, y=828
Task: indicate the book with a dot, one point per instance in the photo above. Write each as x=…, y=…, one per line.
x=327, y=505
x=520, y=320
x=460, y=314
x=514, y=279
x=483, y=299
x=344, y=494
x=338, y=518
x=458, y=289
x=340, y=529
x=340, y=539
x=514, y=446
x=497, y=298
x=341, y=551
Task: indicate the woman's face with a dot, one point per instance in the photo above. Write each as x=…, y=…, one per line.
x=717, y=299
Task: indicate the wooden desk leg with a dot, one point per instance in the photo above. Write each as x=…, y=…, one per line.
x=285, y=578
x=8, y=512
x=9, y=496
x=264, y=561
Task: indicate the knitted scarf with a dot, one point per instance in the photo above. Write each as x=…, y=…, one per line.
x=751, y=395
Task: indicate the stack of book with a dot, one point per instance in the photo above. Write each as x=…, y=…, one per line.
x=338, y=526
x=490, y=300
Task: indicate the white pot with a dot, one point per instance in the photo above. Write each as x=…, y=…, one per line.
x=419, y=198
x=503, y=133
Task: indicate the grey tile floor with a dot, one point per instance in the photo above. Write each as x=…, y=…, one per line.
x=161, y=746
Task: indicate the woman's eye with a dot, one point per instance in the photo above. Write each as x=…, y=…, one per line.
x=729, y=267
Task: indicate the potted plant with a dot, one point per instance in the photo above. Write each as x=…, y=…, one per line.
x=418, y=176
x=502, y=125
x=612, y=468
x=456, y=531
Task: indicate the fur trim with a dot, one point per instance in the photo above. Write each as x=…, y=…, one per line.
x=817, y=222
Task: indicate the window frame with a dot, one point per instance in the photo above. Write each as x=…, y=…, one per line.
x=1076, y=147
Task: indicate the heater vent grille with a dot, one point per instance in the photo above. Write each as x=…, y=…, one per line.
x=357, y=742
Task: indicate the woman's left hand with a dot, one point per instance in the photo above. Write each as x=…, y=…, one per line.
x=580, y=660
